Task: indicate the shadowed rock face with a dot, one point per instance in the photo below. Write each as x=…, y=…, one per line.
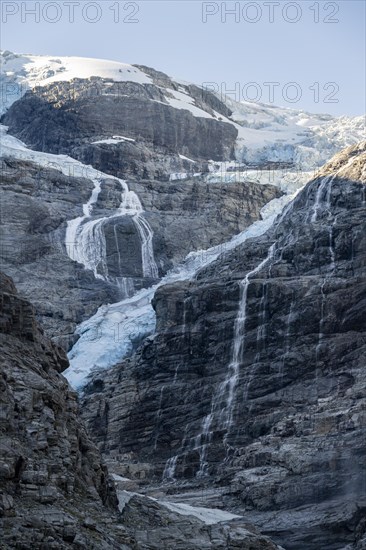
x=68, y=117
x=278, y=422
x=51, y=479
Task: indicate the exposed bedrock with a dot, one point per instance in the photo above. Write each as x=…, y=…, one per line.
x=54, y=490
x=75, y=117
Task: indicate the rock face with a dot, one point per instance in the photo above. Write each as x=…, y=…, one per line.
x=37, y=202
x=83, y=116
x=194, y=215
x=254, y=381
x=54, y=490
x=158, y=527
x=52, y=482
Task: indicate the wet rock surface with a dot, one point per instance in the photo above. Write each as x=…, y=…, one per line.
x=276, y=423
x=35, y=205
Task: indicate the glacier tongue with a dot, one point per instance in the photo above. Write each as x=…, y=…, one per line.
x=110, y=335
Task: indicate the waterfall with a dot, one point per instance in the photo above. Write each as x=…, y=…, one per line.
x=222, y=405
x=137, y=311
x=73, y=226
x=331, y=219
x=158, y=416
x=227, y=389
x=287, y=336
x=318, y=198
x=261, y=331
x=223, y=401
x=149, y=267
x=170, y=467
x=85, y=237
x=126, y=286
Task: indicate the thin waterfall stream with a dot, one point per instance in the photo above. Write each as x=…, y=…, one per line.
x=85, y=237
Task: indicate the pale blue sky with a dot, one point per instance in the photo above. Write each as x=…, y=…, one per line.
x=171, y=36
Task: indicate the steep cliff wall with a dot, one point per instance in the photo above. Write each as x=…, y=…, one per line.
x=254, y=380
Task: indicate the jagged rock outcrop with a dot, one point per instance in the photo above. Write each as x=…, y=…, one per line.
x=37, y=202
x=54, y=491
x=254, y=381
x=77, y=117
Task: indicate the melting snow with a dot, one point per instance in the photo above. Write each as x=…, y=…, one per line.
x=186, y=158
x=209, y=516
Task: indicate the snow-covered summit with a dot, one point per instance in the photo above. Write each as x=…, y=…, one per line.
x=43, y=69
x=266, y=133
x=20, y=72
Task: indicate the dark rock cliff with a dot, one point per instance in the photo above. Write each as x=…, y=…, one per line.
x=54, y=491
x=255, y=379
x=53, y=486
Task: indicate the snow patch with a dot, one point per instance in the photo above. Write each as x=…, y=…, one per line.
x=112, y=140
x=186, y=158
x=209, y=516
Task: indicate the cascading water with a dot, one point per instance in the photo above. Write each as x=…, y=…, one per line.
x=149, y=267
x=222, y=404
x=136, y=312
x=227, y=389
x=323, y=205
x=86, y=244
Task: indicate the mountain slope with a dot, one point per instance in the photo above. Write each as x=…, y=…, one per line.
x=54, y=490
x=254, y=382
x=51, y=477
x=74, y=238
x=122, y=120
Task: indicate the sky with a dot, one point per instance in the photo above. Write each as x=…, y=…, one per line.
x=306, y=55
